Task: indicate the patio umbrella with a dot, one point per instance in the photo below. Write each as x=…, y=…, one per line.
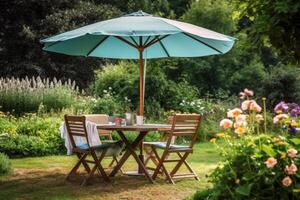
x=137, y=36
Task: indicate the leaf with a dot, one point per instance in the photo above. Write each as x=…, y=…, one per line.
x=244, y=189
x=296, y=141
x=249, y=175
x=268, y=150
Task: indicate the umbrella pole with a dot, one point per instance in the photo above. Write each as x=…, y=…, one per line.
x=141, y=109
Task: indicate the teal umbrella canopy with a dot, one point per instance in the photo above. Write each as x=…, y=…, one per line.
x=139, y=35
x=119, y=38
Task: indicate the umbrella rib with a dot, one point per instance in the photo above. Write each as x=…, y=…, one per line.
x=156, y=39
x=147, y=40
x=126, y=41
x=133, y=40
x=97, y=45
x=198, y=40
x=164, y=48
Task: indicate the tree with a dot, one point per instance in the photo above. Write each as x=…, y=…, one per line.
x=275, y=23
x=24, y=23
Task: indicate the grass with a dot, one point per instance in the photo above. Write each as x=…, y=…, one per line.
x=43, y=178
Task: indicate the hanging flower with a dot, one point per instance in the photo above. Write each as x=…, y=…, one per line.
x=226, y=123
x=271, y=162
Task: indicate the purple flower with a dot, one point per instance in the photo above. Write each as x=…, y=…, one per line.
x=292, y=130
x=281, y=107
x=291, y=106
x=295, y=112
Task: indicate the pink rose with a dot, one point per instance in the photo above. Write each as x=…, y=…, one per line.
x=292, y=153
x=292, y=169
x=271, y=162
x=287, y=181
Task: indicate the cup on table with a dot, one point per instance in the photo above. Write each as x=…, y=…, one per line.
x=139, y=119
x=118, y=121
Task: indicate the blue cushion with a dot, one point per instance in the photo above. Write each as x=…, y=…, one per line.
x=86, y=147
x=162, y=145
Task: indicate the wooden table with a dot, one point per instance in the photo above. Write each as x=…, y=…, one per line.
x=142, y=131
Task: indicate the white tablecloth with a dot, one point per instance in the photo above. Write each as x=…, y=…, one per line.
x=92, y=134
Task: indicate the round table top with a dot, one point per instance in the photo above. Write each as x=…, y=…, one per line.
x=138, y=128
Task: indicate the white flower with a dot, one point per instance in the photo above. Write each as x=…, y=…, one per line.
x=104, y=91
x=109, y=88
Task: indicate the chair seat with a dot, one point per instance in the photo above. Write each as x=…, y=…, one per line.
x=97, y=147
x=162, y=145
x=114, y=148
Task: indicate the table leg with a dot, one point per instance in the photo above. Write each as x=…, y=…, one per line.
x=130, y=151
x=141, y=156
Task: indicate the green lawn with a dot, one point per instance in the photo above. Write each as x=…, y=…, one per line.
x=43, y=178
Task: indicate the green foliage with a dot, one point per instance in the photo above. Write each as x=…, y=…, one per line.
x=5, y=165
x=282, y=84
x=244, y=174
x=31, y=136
x=33, y=95
x=273, y=22
x=211, y=14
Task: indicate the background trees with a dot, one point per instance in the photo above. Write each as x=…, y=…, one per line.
x=267, y=46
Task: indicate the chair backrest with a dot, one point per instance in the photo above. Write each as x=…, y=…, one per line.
x=100, y=119
x=76, y=127
x=186, y=125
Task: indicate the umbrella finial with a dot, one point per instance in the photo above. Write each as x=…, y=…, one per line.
x=139, y=13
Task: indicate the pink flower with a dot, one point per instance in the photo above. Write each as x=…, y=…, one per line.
x=245, y=104
x=240, y=124
x=234, y=112
x=292, y=169
x=287, y=181
x=254, y=106
x=226, y=123
x=292, y=153
x=241, y=117
x=271, y=162
x=248, y=92
x=277, y=118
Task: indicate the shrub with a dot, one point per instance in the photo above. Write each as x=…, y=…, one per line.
x=5, y=165
x=260, y=167
x=282, y=84
x=19, y=96
x=31, y=136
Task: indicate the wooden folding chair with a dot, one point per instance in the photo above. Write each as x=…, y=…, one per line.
x=186, y=125
x=76, y=127
x=150, y=156
x=117, y=149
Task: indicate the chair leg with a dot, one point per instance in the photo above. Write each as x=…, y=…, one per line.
x=161, y=165
x=176, y=168
x=85, y=181
x=98, y=164
x=75, y=168
x=189, y=167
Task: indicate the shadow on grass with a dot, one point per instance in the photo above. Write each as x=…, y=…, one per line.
x=40, y=184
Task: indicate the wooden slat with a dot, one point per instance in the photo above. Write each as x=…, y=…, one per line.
x=177, y=176
x=78, y=134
